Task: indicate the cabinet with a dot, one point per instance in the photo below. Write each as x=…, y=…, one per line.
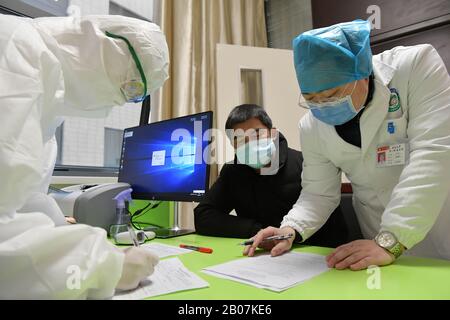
x=402, y=22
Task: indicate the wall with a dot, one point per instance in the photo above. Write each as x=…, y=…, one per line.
x=90, y=7
x=143, y=8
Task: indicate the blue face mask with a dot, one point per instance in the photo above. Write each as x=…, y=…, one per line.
x=334, y=113
x=256, y=153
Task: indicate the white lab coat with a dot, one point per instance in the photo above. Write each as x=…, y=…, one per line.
x=410, y=200
x=49, y=68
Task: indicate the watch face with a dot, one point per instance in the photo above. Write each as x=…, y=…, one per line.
x=386, y=239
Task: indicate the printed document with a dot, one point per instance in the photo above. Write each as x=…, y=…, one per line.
x=164, y=250
x=272, y=273
x=170, y=276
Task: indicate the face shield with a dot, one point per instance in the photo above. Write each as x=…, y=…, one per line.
x=134, y=83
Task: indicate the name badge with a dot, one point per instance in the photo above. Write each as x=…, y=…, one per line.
x=391, y=155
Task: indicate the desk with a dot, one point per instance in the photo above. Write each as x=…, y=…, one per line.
x=407, y=278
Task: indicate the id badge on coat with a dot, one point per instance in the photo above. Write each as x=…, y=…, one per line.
x=395, y=151
x=392, y=155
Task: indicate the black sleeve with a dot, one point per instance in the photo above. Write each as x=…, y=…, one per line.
x=298, y=238
x=212, y=216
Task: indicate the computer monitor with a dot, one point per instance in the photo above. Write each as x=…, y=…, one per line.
x=168, y=160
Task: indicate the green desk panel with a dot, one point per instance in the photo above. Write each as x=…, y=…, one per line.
x=407, y=278
x=161, y=216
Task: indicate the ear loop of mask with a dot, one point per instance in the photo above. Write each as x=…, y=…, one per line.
x=135, y=58
x=345, y=88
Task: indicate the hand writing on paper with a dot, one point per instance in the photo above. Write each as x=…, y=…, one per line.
x=276, y=247
x=358, y=255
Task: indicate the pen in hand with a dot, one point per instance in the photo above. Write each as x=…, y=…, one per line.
x=278, y=237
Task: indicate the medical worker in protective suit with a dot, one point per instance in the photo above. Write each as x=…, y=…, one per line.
x=51, y=68
x=385, y=122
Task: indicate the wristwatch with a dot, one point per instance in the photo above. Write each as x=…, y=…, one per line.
x=388, y=241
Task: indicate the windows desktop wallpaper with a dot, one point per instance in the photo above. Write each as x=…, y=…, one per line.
x=166, y=157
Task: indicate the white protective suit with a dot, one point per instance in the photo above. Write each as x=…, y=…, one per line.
x=50, y=68
x=412, y=200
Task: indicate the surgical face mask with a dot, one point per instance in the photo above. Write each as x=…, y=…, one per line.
x=256, y=153
x=334, y=111
x=134, y=86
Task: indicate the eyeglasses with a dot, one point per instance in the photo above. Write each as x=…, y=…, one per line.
x=323, y=102
x=241, y=138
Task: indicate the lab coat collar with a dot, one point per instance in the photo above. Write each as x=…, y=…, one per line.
x=377, y=109
x=383, y=71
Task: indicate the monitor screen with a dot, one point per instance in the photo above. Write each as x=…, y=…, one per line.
x=166, y=160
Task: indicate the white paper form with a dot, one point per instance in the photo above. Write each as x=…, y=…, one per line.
x=170, y=276
x=272, y=273
x=164, y=250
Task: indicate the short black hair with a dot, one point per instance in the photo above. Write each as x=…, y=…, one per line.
x=245, y=112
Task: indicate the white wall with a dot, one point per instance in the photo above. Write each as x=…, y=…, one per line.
x=89, y=7
x=143, y=8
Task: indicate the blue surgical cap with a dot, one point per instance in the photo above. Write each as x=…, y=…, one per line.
x=329, y=57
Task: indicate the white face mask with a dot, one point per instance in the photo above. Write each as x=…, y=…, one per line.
x=256, y=153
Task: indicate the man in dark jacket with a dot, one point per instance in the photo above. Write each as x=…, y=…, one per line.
x=259, y=200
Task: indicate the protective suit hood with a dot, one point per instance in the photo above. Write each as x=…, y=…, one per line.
x=93, y=64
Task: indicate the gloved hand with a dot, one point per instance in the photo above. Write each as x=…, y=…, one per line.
x=137, y=265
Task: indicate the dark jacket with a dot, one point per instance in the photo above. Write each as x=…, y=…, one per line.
x=260, y=201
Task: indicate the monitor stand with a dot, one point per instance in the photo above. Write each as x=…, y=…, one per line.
x=175, y=231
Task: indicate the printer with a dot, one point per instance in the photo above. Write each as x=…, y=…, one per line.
x=89, y=204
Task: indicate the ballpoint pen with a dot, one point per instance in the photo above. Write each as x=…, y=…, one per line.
x=278, y=237
x=133, y=235
x=199, y=249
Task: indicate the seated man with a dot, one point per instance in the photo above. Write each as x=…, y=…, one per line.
x=259, y=197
